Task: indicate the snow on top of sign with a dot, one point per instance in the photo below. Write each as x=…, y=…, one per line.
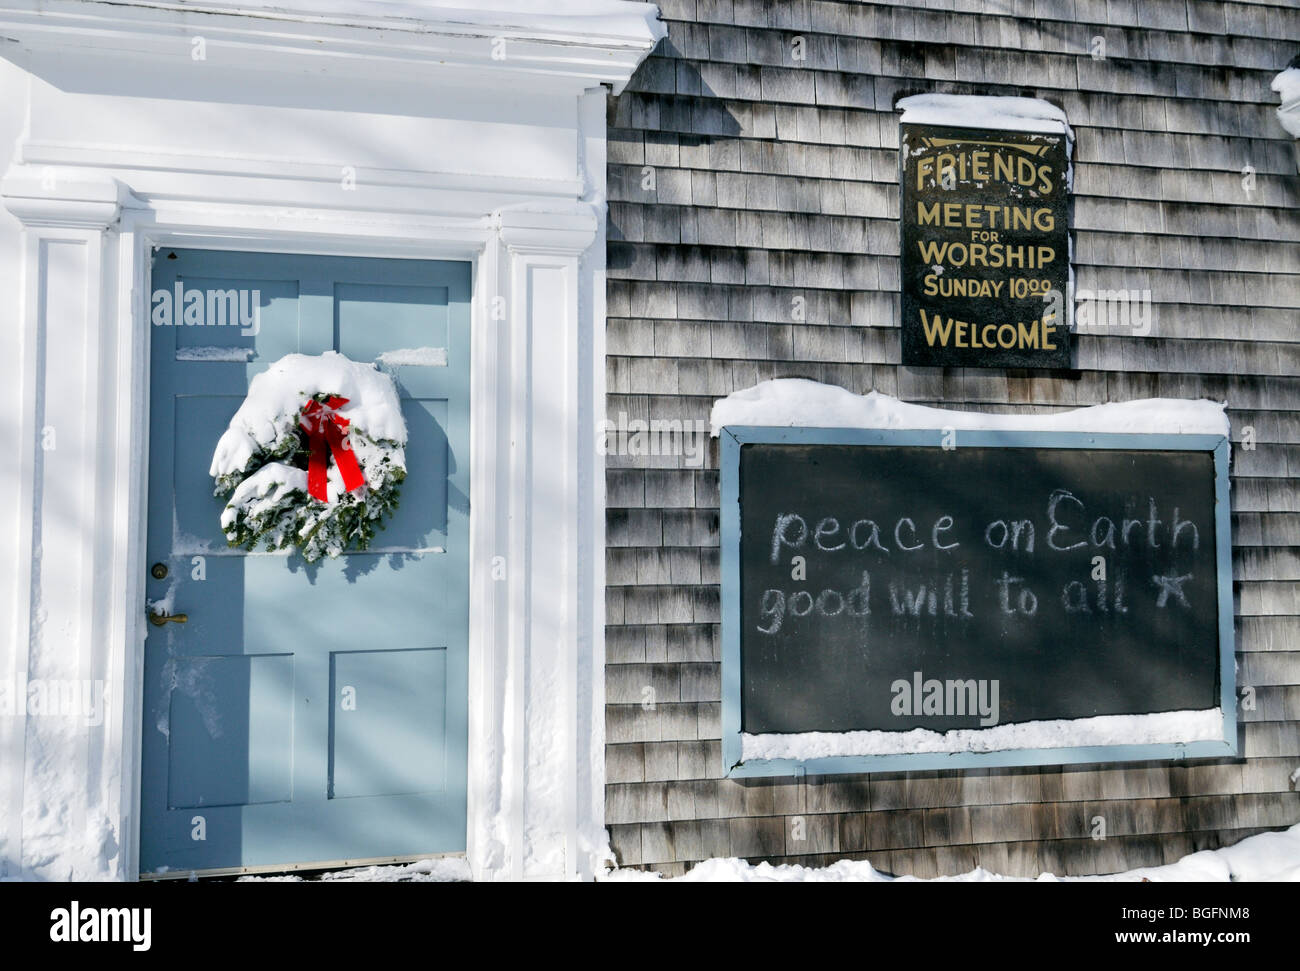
x=982, y=111
x=1265, y=857
x=798, y=402
x=1150, y=729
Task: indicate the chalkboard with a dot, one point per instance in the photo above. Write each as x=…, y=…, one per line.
x=1045, y=582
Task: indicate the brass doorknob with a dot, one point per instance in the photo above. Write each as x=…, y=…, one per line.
x=159, y=619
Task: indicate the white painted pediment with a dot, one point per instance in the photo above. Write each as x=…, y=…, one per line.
x=563, y=45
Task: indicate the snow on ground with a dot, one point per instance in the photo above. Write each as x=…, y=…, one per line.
x=981, y=111
x=1266, y=857
x=798, y=402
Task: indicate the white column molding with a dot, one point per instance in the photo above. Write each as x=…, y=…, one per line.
x=546, y=685
x=593, y=838
x=62, y=197
x=63, y=649
x=489, y=791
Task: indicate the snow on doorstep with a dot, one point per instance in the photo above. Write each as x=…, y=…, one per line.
x=1159, y=727
x=443, y=870
x=797, y=402
x=414, y=357
x=981, y=111
x=241, y=355
x=1266, y=857
x=276, y=396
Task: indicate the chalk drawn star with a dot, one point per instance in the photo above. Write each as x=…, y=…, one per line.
x=1171, y=585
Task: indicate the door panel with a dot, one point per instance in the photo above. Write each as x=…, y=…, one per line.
x=277, y=318
x=381, y=707
x=230, y=731
x=422, y=525
x=307, y=712
x=200, y=420
x=373, y=319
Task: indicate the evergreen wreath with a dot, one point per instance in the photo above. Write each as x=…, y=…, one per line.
x=313, y=458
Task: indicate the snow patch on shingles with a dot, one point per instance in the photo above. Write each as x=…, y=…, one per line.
x=1266, y=857
x=981, y=111
x=1146, y=729
x=797, y=402
x=1287, y=84
x=241, y=355
x=413, y=357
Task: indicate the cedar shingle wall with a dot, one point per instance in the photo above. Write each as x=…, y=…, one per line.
x=774, y=179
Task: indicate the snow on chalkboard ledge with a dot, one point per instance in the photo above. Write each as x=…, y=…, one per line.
x=1146, y=729
x=798, y=402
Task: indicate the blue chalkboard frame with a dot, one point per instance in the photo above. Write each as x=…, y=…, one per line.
x=732, y=438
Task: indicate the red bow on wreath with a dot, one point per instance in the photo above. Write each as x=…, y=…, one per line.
x=324, y=428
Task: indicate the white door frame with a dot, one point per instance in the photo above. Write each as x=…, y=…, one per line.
x=536, y=695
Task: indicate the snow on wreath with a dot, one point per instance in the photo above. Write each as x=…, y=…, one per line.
x=313, y=458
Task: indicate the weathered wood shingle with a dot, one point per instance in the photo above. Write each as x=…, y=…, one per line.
x=753, y=163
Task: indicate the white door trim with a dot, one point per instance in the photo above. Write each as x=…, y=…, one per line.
x=536, y=651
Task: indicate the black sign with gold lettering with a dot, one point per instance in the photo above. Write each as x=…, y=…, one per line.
x=985, y=264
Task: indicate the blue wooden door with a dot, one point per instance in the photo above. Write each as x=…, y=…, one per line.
x=305, y=712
